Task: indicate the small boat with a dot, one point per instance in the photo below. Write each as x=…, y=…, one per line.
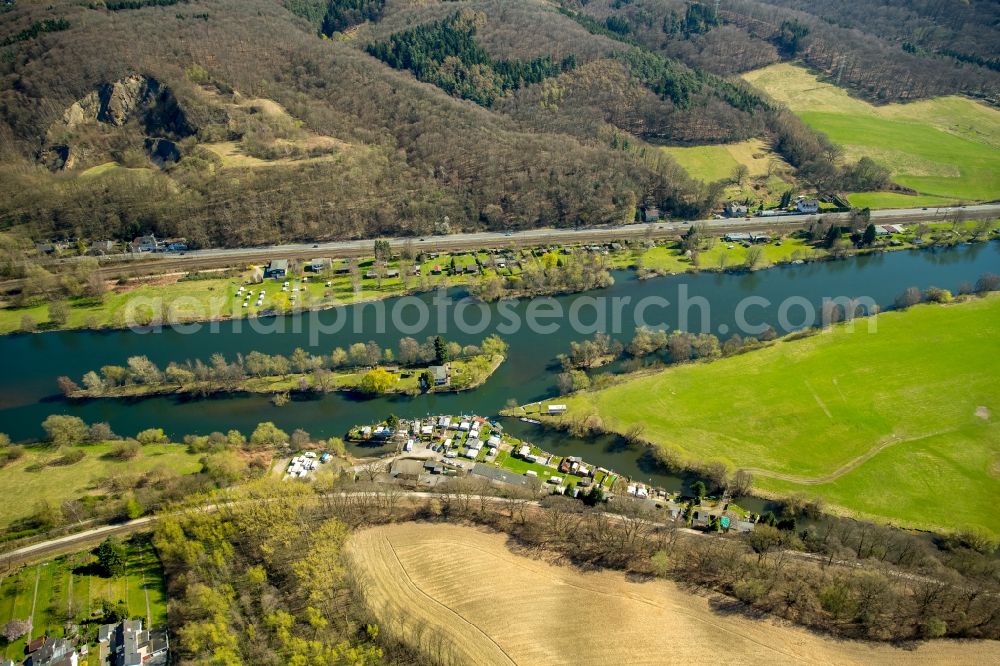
x=527, y=420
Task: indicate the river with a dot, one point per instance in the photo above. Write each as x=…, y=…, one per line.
x=33, y=362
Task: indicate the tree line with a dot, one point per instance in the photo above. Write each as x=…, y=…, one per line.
x=551, y=273
x=139, y=370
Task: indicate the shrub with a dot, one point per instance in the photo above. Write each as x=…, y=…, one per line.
x=908, y=298
x=70, y=457
x=65, y=430
x=937, y=295
x=152, y=436
x=127, y=450
x=988, y=282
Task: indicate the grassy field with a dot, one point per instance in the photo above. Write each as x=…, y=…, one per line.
x=461, y=596
x=900, y=424
x=946, y=148
x=22, y=487
x=70, y=589
x=718, y=162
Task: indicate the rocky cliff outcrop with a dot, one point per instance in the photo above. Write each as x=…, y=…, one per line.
x=136, y=100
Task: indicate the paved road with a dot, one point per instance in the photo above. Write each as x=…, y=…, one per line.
x=36, y=551
x=146, y=264
x=547, y=235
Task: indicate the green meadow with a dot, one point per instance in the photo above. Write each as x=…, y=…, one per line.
x=899, y=424
x=37, y=476
x=946, y=149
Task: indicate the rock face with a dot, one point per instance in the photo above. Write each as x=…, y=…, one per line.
x=112, y=103
x=119, y=100
x=136, y=100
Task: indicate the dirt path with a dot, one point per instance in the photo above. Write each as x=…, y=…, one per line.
x=843, y=469
x=145, y=591
x=464, y=597
x=34, y=600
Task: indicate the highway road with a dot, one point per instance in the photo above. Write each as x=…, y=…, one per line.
x=147, y=264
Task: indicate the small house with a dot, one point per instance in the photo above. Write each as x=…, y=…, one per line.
x=442, y=376
x=145, y=244
x=807, y=206
x=51, y=652
x=319, y=265
x=881, y=231
x=737, y=237
x=278, y=269
x=128, y=644
x=734, y=209
x=102, y=247
x=651, y=214
x=557, y=409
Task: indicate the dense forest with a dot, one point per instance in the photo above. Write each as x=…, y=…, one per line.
x=446, y=54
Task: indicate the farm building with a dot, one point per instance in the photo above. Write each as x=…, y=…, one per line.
x=557, y=409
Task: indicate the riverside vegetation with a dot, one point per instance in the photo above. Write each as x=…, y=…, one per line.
x=77, y=297
x=363, y=368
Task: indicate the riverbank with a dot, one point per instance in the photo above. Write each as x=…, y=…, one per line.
x=462, y=375
x=833, y=415
x=489, y=274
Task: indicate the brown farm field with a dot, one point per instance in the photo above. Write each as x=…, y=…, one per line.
x=461, y=595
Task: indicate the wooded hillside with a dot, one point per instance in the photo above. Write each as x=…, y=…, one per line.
x=239, y=122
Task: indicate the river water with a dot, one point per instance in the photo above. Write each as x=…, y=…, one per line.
x=31, y=363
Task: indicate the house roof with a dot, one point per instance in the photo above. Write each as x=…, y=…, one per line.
x=278, y=264
x=501, y=475
x=439, y=371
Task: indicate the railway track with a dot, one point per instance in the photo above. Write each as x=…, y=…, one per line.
x=222, y=258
